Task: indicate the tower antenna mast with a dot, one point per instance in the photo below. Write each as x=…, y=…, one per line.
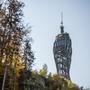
x=62, y=18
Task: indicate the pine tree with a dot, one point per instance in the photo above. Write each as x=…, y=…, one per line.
x=11, y=34
x=28, y=55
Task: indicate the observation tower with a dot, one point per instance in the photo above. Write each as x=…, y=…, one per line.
x=62, y=50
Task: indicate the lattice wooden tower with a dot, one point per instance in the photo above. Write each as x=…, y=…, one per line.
x=62, y=50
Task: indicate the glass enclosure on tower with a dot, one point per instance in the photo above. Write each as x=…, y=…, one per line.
x=62, y=50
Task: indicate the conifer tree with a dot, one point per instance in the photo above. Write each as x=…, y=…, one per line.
x=12, y=32
x=28, y=55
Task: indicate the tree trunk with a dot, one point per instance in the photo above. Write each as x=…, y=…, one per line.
x=5, y=73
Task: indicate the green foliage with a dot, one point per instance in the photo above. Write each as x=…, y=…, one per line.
x=28, y=55
x=49, y=82
x=43, y=71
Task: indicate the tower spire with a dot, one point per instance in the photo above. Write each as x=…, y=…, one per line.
x=62, y=27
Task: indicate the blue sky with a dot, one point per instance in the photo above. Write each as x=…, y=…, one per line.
x=44, y=17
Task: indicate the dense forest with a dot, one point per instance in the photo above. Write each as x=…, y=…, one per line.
x=17, y=57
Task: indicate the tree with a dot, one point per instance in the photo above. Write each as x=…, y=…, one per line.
x=43, y=71
x=28, y=55
x=11, y=34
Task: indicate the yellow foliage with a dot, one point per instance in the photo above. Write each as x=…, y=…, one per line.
x=14, y=63
x=17, y=64
x=19, y=67
x=70, y=84
x=55, y=77
x=42, y=73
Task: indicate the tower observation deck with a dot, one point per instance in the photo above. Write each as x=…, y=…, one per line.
x=62, y=50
